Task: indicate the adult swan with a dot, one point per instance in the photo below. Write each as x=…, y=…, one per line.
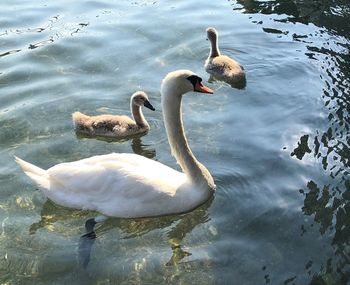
x=129, y=185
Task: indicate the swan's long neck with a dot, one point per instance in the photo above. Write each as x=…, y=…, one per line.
x=214, y=48
x=138, y=115
x=195, y=171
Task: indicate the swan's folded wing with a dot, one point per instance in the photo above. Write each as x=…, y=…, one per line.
x=114, y=179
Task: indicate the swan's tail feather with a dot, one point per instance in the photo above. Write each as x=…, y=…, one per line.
x=38, y=174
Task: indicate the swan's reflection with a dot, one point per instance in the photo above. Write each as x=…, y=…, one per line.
x=131, y=228
x=136, y=143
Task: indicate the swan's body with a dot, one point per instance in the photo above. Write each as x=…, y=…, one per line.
x=129, y=185
x=222, y=67
x=115, y=126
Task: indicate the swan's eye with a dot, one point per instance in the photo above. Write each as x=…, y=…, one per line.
x=194, y=79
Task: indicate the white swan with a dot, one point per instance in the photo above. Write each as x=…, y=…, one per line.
x=129, y=185
x=222, y=67
x=115, y=126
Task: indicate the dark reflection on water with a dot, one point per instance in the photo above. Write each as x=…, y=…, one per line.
x=240, y=84
x=330, y=14
x=86, y=242
x=51, y=213
x=302, y=148
x=330, y=207
x=328, y=203
x=179, y=226
x=138, y=147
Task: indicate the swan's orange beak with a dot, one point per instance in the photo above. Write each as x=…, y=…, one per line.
x=199, y=87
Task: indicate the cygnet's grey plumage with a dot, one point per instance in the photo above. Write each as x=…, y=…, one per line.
x=222, y=67
x=114, y=125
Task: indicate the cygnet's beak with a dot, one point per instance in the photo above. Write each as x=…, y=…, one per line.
x=148, y=105
x=199, y=87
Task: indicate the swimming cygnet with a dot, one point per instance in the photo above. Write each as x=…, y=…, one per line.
x=114, y=125
x=222, y=67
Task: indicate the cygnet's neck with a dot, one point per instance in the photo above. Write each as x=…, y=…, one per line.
x=194, y=170
x=138, y=115
x=214, y=47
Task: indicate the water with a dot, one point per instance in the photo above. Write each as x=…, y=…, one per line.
x=278, y=150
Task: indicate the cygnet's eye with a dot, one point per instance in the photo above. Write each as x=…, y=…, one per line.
x=139, y=99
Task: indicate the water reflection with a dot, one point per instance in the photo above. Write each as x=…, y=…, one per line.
x=180, y=226
x=86, y=242
x=330, y=207
x=302, y=148
x=239, y=84
x=138, y=147
x=328, y=203
x=52, y=213
x=317, y=12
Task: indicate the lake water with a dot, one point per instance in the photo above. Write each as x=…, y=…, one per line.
x=278, y=150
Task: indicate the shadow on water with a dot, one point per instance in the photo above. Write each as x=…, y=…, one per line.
x=328, y=204
x=180, y=226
